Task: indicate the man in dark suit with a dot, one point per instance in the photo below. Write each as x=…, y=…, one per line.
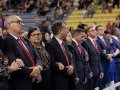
x=61, y=61
x=81, y=58
x=16, y=47
x=106, y=54
x=94, y=58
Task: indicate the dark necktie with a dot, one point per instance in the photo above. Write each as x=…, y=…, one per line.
x=26, y=51
x=63, y=49
x=104, y=42
x=95, y=45
x=80, y=48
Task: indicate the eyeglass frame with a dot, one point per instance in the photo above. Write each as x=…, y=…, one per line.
x=17, y=21
x=38, y=34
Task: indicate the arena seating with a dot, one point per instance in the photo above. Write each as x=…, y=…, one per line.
x=101, y=18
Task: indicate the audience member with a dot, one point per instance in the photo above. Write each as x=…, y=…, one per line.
x=16, y=47
x=92, y=49
x=61, y=61
x=35, y=37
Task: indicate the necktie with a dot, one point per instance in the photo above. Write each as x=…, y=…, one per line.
x=63, y=49
x=104, y=42
x=95, y=45
x=80, y=48
x=26, y=51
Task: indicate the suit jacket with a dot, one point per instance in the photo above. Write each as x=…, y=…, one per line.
x=13, y=50
x=1, y=43
x=94, y=57
x=59, y=77
x=108, y=49
x=81, y=62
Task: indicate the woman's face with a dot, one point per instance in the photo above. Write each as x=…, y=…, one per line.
x=36, y=36
x=47, y=36
x=69, y=38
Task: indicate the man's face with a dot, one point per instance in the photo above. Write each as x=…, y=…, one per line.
x=16, y=25
x=64, y=31
x=118, y=32
x=100, y=31
x=81, y=37
x=92, y=32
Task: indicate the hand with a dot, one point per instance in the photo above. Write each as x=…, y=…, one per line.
x=76, y=81
x=90, y=75
x=116, y=53
x=1, y=34
x=60, y=65
x=5, y=32
x=104, y=51
x=70, y=69
x=39, y=79
x=109, y=56
x=35, y=72
x=101, y=75
x=20, y=62
x=85, y=81
x=14, y=66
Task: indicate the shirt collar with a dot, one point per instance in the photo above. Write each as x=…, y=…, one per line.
x=59, y=41
x=75, y=42
x=91, y=39
x=14, y=36
x=115, y=37
x=100, y=37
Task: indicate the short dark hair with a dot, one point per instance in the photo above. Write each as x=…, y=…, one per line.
x=31, y=30
x=97, y=27
x=87, y=30
x=56, y=27
x=114, y=30
x=77, y=31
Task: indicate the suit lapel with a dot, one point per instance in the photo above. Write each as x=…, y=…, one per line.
x=20, y=48
x=58, y=46
x=28, y=48
x=75, y=47
x=92, y=45
x=102, y=42
x=107, y=43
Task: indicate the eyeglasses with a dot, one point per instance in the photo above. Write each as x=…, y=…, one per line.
x=91, y=30
x=100, y=29
x=37, y=34
x=17, y=21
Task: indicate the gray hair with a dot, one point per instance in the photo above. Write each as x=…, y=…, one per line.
x=8, y=20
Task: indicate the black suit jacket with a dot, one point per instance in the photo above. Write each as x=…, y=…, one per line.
x=81, y=62
x=13, y=50
x=59, y=77
x=108, y=49
x=94, y=57
x=1, y=43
